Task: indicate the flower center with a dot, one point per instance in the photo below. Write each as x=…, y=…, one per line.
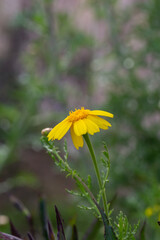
x=78, y=114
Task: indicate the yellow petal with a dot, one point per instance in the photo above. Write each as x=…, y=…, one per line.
x=91, y=126
x=59, y=130
x=64, y=129
x=77, y=140
x=101, y=113
x=80, y=127
x=101, y=123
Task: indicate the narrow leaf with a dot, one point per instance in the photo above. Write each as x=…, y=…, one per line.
x=24, y=210
x=142, y=232
x=13, y=229
x=5, y=236
x=30, y=236
x=74, y=233
x=50, y=231
x=60, y=234
x=31, y=224
x=19, y=205
x=109, y=233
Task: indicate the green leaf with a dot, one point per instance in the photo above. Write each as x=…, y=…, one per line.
x=109, y=233
x=65, y=150
x=89, y=181
x=124, y=229
x=142, y=232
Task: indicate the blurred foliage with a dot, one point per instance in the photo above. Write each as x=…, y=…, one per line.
x=46, y=233
x=58, y=64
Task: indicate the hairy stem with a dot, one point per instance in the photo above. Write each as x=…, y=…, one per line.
x=104, y=197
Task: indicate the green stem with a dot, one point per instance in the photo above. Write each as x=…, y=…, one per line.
x=104, y=197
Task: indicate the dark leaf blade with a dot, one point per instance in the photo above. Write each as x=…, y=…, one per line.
x=14, y=231
x=109, y=233
x=60, y=234
x=18, y=204
x=74, y=233
x=5, y=236
x=30, y=236
x=50, y=231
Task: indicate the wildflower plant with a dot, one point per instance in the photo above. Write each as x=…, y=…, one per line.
x=81, y=123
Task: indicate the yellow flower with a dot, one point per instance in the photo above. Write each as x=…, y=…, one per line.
x=80, y=122
x=152, y=210
x=149, y=212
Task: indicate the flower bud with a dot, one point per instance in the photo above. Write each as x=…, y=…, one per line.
x=45, y=131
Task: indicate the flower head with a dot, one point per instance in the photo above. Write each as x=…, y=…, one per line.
x=80, y=122
x=152, y=210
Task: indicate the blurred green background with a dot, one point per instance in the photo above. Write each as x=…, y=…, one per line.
x=57, y=55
